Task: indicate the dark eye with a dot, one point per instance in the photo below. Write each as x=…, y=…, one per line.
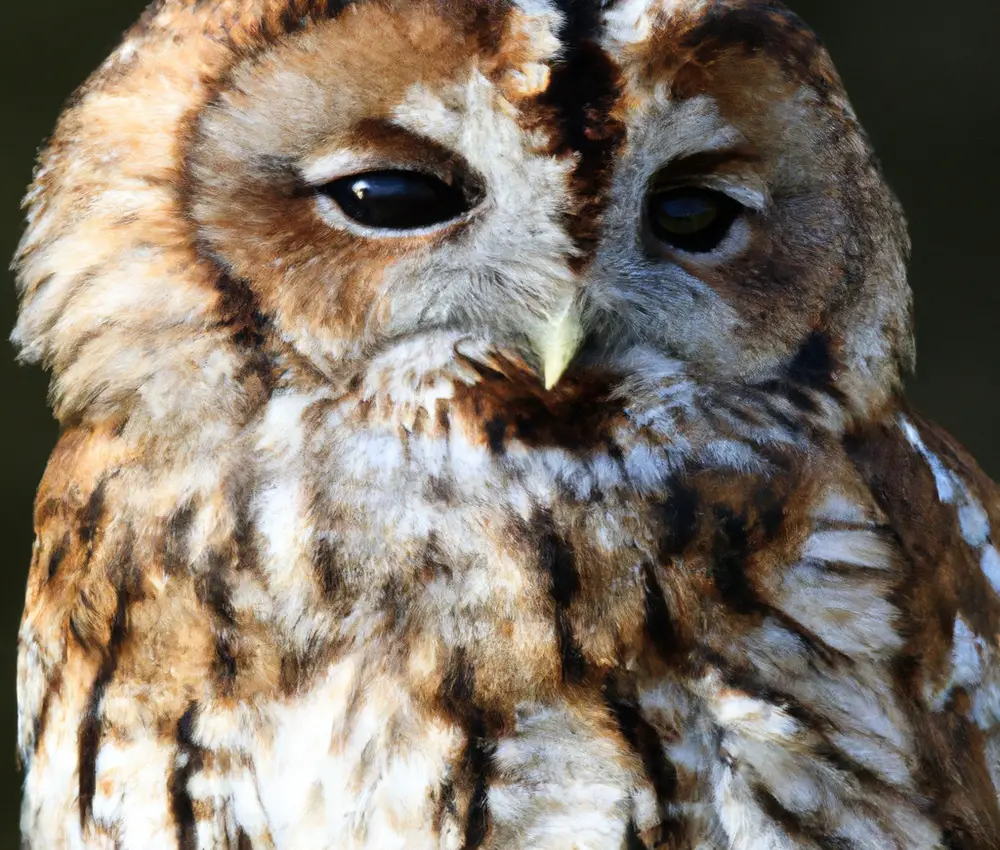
x=397, y=200
x=691, y=219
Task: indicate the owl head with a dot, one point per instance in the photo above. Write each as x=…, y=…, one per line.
x=573, y=182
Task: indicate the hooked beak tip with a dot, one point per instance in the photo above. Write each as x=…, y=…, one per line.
x=559, y=344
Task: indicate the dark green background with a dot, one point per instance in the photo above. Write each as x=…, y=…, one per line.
x=922, y=74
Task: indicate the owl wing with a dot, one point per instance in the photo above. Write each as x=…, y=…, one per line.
x=945, y=514
x=112, y=650
x=67, y=641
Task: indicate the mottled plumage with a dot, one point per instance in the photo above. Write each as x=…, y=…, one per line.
x=320, y=561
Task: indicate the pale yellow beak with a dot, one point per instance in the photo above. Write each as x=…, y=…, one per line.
x=558, y=344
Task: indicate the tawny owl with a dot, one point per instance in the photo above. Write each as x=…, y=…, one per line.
x=482, y=427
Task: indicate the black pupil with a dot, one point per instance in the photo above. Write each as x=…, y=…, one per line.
x=687, y=212
x=397, y=200
x=691, y=219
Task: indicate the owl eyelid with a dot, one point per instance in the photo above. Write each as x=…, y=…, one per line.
x=343, y=164
x=748, y=193
x=731, y=172
x=334, y=165
x=751, y=198
x=383, y=146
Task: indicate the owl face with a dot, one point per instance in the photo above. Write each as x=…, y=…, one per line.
x=686, y=176
x=598, y=179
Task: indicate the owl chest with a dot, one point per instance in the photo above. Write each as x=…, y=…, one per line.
x=482, y=610
x=454, y=584
x=445, y=538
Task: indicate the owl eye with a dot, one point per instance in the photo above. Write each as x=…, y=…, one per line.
x=691, y=219
x=397, y=200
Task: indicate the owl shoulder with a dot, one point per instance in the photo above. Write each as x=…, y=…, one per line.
x=945, y=513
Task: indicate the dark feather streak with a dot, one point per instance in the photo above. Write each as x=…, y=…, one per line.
x=89, y=736
x=187, y=762
x=476, y=763
x=556, y=559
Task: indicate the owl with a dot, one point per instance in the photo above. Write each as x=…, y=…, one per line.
x=482, y=427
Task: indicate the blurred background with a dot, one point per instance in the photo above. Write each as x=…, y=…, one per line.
x=925, y=83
